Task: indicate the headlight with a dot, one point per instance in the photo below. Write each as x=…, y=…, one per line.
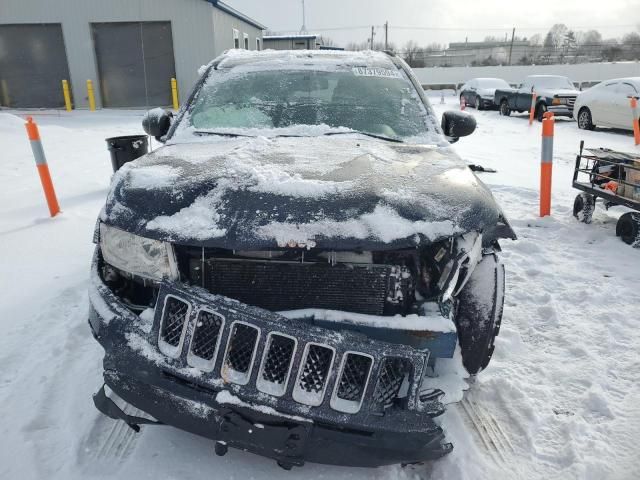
x=559, y=101
x=140, y=256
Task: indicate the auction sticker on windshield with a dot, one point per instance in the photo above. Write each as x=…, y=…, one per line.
x=376, y=72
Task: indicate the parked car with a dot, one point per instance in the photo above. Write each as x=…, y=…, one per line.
x=480, y=92
x=278, y=276
x=554, y=94
x=607, y=104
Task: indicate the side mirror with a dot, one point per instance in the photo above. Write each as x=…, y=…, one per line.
x=457, y=124
x=156, y=122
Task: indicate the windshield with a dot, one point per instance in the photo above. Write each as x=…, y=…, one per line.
x=492, y=83
x=554, y=82
x=308, y=102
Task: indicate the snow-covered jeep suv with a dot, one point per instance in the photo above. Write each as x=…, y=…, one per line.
x=284, y=273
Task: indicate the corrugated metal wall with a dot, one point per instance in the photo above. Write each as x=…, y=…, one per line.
x=196, y=40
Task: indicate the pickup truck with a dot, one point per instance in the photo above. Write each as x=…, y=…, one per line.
x=554, y=94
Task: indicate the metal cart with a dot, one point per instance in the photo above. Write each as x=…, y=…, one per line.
x=615, y=178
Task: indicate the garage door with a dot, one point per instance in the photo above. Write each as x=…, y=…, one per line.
x=33, y=63
x=135, y=63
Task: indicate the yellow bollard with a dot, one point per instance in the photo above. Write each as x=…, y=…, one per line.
x=67, y=96
x=91, y=96
x=174, y=93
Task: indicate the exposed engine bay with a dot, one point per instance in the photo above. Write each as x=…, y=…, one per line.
x=391, y=282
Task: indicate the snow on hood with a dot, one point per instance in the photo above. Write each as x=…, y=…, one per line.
x=333, y=192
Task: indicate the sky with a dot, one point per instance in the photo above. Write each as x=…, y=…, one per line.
x=442, y=21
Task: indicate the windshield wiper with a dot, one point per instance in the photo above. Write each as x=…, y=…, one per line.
x=221, y=134
x=373, y=135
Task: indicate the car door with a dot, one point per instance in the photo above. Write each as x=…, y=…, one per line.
x=523, y=100
x=469, y=94
x=621, y=114
x=601, y=104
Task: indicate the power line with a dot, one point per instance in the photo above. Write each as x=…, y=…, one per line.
x=457, y=29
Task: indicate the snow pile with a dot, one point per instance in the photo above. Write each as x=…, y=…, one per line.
x=432, y=323
x=383, y=223
x=153, y=176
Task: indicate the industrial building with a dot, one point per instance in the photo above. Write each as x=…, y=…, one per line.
x=292, y=42
x=129, y=49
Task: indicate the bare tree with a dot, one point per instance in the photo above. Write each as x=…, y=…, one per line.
x=326, y=41
x=558, y=33
x=535, y=40
x=411, y=53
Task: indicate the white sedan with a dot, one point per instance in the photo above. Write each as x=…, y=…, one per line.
x=607, y=104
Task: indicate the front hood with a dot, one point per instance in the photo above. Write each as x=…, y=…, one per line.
x=343, y=192
x=562, y=92
x=486, y=92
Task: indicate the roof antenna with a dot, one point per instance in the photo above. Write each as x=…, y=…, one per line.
x=304, y=22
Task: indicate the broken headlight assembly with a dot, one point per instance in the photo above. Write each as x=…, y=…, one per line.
x=144, y=257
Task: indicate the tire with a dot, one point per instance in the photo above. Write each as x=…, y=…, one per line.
x=540, y=111
x=583, y=207
x=628, y=229
x=585, y=120
x=505, y=111
x=478, y=103
x=479, y=313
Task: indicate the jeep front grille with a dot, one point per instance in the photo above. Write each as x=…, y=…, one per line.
x=291, y=366
x=174, y=321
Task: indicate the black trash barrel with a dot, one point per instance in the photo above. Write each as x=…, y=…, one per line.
x=127, y=148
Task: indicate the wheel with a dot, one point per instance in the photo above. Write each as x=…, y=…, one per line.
x=285, y=465
x=504, y=108
x=585, y=121
x=628, y=229
x=583, y=207
x=540, y=111
x=478, y=104
x=479, y=313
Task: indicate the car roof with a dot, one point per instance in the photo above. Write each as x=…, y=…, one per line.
x=291, y=58
x=547, y=76
x=624, y=79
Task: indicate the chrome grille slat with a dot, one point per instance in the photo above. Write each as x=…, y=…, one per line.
x=206, y=340
x=241, y=351
x=314, y=372
x=277, y=364
x=393, y=372
x=173, y=325
x=352, y=382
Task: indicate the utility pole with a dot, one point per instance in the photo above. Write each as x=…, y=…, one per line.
x=373, y=34
x=386, y=35
x=513, y=36
x=304, y=20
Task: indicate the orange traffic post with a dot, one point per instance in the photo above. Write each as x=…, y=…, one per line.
x=636, y=120
x=546, y=164
x=463, y=103
x=532, y=110
x=43, y=168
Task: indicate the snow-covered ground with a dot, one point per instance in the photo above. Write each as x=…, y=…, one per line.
x=560, y=399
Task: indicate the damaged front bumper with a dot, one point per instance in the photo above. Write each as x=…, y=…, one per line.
x=254, y=380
